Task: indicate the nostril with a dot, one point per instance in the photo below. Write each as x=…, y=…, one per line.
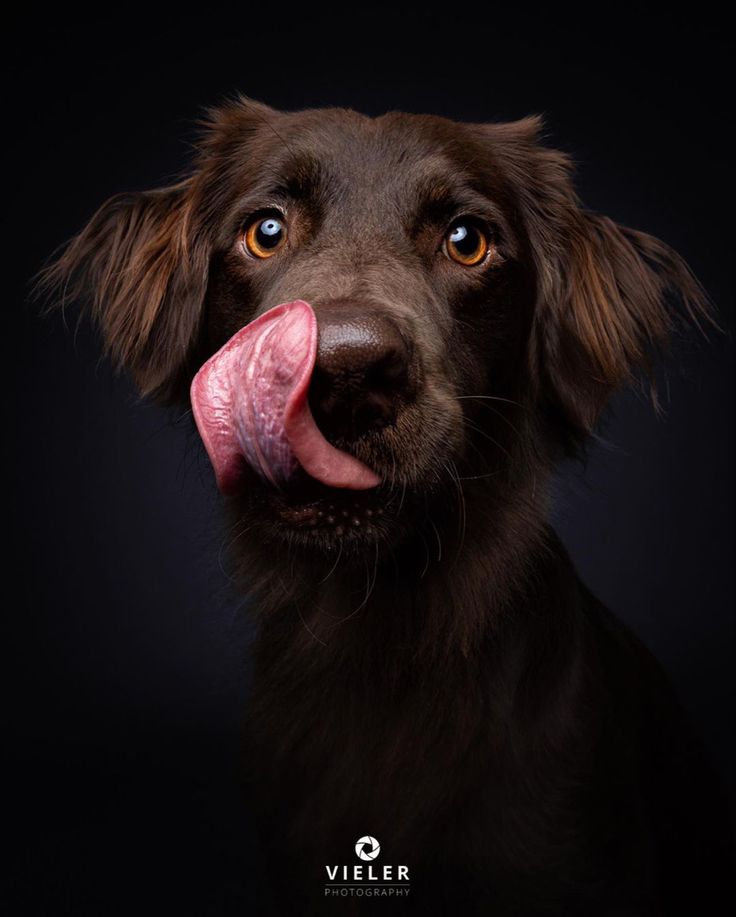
x=347, y=412
x=324, y=397
x=375, y=411
x=390, y=371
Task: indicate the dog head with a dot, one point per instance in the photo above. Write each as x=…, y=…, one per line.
x=425, y=302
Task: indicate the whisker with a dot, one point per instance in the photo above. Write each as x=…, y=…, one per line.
x=426, y=551
x=370, y=583
x=462, y=518
x=503, y=417
x=496, y=410
x=333, y=568
x=439, y=540
x=177, y=420
x=403, y=495
x=490, y=439
x=299, y=612
x=477, y=477
x=490, y=398
x=224, y=548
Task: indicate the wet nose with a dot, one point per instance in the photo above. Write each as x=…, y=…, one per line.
x=362, y=373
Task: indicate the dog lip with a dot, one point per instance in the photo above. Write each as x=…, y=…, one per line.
x=308, y=504
x=337, y=516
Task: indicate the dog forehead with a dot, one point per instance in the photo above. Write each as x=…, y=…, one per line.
x=389, y=154
x=392, y=136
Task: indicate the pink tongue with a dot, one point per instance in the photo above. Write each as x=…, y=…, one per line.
x=250, y=405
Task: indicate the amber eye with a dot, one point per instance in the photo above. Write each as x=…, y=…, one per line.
x=265, y=236
x=466, y=243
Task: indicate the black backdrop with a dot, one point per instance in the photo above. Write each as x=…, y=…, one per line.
x=127, y=664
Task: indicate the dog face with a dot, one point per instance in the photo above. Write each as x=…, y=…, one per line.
x=470, y=316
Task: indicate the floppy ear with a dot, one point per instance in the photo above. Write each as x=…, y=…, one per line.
x=142, y=273
x=141, y=264
x=614, y=297
x=607, y=296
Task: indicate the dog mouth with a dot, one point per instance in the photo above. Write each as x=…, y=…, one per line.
x=308, y=506
x=250, y=404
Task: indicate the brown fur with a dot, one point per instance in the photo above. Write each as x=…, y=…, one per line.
x=440, y=678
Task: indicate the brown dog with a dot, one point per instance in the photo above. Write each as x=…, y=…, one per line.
x=437, y=320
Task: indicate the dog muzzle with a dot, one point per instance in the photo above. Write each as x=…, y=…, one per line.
x=250, y=404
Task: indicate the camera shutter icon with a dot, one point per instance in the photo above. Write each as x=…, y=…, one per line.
x=367, y=848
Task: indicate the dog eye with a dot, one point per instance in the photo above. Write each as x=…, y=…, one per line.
x=466, y=243
x=265, y=235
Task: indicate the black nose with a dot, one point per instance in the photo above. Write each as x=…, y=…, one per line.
x=362, y=375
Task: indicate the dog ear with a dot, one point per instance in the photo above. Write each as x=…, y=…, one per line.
x=141, y=264
x=607, y=296
x=142, y=275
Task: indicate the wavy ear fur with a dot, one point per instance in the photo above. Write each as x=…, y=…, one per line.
x=143, y=277
x=608, y=296
x=140, y=266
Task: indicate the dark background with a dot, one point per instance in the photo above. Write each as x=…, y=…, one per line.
x=127, y=660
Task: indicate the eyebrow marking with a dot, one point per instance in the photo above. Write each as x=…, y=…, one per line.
x=435, y=197
x=299, y=178
x=438, y=200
